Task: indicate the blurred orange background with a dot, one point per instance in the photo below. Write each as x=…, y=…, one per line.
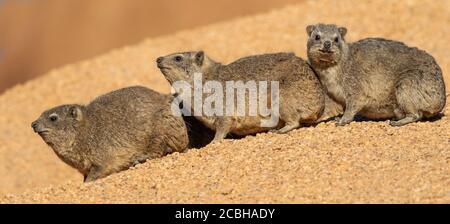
x=38, y=35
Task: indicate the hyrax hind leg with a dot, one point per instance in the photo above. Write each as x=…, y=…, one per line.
x=418, y=96
x=293, y=115
x=289, y=126
x=302, y=102
x=291, y=118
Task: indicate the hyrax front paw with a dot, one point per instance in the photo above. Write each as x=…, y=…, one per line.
x=276, y=131
x=343, y=122
x=394, y=123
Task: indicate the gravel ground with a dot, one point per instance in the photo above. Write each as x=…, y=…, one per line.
x=365, y=162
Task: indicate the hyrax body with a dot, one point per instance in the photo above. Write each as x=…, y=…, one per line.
x=376, y=78
x=114, y=132
x=301, y=97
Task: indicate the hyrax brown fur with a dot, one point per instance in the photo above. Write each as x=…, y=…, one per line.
x=300, y=93
x=114, y=132
x=376, y=78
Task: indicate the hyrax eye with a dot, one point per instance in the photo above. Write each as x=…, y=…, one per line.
x=317, y=37
x=53, y=118
x=336, y=39
x=178, y=58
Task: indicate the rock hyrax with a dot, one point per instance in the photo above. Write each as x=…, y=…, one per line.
x=376, y=78
x=114, y=132
x=301, y=95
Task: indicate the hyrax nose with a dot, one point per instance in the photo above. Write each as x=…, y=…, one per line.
x=159, y=60
x=34, y=125
x=327, y=44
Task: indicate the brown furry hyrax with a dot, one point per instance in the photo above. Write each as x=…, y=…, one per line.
x=301, y=97
x=114, y=132
x=376, y=78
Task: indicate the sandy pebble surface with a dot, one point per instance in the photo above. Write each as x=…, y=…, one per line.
x=365, y=162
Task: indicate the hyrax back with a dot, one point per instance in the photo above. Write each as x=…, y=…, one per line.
x=376, y=78
x=300, y=92
x=115, y=131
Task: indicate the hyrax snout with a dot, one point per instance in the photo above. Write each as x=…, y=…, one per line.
x=114, y=132
x=301, y=97
x=375, y=77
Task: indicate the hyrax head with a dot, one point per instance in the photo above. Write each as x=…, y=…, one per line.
x=57, y=126
x=181, y=66
x=325, y=44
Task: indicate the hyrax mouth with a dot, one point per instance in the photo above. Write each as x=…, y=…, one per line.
x=43, y=132
x=325, y=51
x=161, y=66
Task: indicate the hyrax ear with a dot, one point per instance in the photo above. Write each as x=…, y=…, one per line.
x=199, y=58
x=310, y=29
x=342, y=31
x=76, y=112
